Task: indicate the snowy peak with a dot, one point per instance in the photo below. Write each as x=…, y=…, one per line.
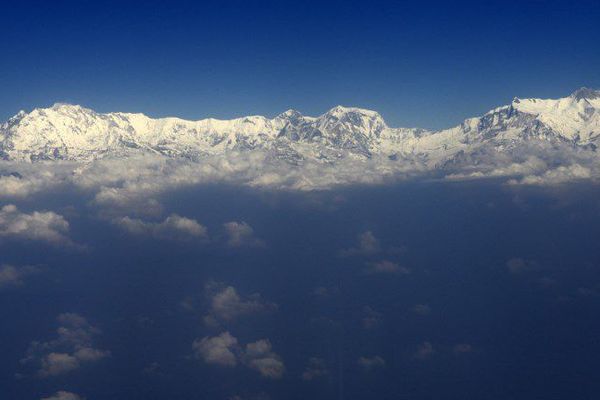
x=575, y=118
x=290, y=114
x=349, y=126
x=341, y=111
x=586, y=94
x=354, y=117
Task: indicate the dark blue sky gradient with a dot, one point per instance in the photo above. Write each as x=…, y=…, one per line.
x=419, y=63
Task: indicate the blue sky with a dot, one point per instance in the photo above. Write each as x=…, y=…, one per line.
x=427, y=64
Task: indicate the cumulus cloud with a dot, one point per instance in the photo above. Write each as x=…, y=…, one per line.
x=370, y=363
x=241, y=234
x=11, y=275
x=58, y=364
x=260, y=357
x=227, y=305
x=224, y=350
x=46, y=226
x=63, y=395
x=13, y=186
x=219, y=350
x=386, y=267
x=367, y=244
x=424, y=351
x=316, y=368
x=174, y=227
x=30, y=180
x=72, y=348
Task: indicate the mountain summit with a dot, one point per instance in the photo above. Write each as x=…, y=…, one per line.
x=586, y=93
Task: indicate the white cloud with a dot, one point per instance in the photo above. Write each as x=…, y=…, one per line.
x=135, y=184
x=58, y=363
x=12, y=186
x=89, y=354
x=219, y=350
x=260, y=356
x=114, y=202
x=370, y=363
x=14, y=276
x=224, y=350
x=47, y=226
x=367, y=244
x=316, y=368
x=174, y=227
x=241, y=234
x=562, y=174
x=227, y=305
x=30, y=180
x=386, y=267
x=72, y=348
x=63, y=395
x=530, y=165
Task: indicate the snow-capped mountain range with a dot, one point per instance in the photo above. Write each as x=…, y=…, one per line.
x=75, y=133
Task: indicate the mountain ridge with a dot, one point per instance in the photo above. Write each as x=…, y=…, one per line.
x=75, y=133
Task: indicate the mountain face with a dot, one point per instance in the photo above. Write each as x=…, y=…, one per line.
x=74, y=133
